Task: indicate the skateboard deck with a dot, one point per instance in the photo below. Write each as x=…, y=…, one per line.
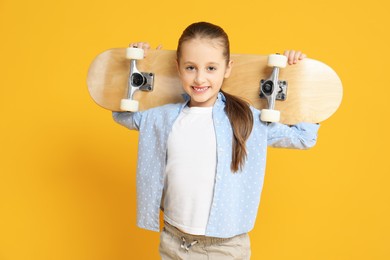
x=314, y=90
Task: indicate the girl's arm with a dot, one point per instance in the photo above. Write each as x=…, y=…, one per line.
x=127, y=119
x=300, y=136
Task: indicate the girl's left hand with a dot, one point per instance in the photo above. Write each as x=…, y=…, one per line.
x=144, y=45
x=294, y=56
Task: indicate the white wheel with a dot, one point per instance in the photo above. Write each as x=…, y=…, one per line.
x=277, y=60
x=134, y=53
x=129, y=105
x=268, y=115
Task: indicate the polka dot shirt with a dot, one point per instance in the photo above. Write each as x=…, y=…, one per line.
x=236, y=196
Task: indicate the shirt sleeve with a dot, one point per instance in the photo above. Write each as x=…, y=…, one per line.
x=127, y=119
x=299, y=136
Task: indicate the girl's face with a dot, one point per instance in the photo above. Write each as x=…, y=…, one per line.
x=202, y=69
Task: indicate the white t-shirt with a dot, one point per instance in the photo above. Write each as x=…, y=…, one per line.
x=190, y=171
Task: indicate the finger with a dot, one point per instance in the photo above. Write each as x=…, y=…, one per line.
x=135, y=44
x=297, y=56
x=159, y=47
x=302, y=56
x=145, y=45
x=294, y=56
x=290, y=56
x=141, y=45
x=287, y=54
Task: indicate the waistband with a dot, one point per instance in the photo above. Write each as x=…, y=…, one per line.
x=205, y=240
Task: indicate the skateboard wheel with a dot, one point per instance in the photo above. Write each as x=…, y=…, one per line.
x=268, y=115
x=277, y=60
x=134, y=53
x=129, y=105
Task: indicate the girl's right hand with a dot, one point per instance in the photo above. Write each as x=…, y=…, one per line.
x=143, y=45
x=294, y=56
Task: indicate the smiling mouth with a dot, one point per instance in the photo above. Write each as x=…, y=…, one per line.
x=199, y=89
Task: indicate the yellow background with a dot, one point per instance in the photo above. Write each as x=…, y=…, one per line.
x=67, y=171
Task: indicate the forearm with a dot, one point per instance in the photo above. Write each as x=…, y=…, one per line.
x=125, y=119
x=300, y=136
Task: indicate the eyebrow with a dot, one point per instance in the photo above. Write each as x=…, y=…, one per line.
x=208, y=63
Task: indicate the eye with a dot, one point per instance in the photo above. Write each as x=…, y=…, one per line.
x=190, y=68
x=211, y=68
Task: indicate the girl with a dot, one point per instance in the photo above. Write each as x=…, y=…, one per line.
x=203, y=160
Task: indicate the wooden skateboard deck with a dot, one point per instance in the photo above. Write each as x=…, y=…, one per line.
x=314, y=90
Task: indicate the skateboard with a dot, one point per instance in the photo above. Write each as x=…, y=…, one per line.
x=122, y=79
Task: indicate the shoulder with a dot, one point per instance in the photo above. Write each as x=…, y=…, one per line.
x=165, y=109
x=160, y=115
x=254, y=110
x=256, y=116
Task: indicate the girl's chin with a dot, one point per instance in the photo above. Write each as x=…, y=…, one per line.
x=202, y=101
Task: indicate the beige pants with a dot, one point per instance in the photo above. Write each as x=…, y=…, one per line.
x=175, y=244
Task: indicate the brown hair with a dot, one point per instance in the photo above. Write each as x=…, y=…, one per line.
x=237, y=110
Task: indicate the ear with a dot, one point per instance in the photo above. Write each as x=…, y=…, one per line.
x=228, y=69
x=177, y=66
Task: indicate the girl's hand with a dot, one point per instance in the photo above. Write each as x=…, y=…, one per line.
x=294, y=56
x=143, y=45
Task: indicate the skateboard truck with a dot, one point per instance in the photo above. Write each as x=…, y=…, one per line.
x=273, y=89
x=137, y=80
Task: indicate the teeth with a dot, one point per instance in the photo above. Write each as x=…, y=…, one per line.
x=202, y=89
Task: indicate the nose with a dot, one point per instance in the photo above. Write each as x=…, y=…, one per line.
x=200, y=77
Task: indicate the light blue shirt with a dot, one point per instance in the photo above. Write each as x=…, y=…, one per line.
x=236, y=195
